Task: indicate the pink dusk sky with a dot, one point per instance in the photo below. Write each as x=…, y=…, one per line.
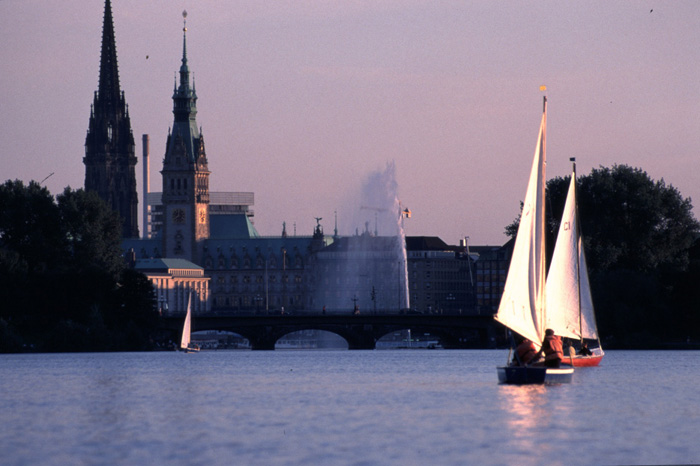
x=299, y=101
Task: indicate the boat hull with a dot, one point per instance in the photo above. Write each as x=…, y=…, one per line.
x=528, y=375
x=585, y=361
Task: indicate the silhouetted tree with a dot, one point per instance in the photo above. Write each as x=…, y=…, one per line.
x=638, y=235
x=62, y=275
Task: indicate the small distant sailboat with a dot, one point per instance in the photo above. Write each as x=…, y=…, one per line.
x=186, y=343
x=523, y=305
x=569, y=298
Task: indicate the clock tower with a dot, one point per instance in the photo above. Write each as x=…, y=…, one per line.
x=185, y=173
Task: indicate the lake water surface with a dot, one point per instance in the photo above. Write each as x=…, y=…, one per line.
x=406, y=407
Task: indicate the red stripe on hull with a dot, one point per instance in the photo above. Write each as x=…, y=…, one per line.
x=584, y=361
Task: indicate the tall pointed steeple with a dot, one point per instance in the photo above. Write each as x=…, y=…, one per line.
x=185, y=172
x=110, y=158
x=109, y=91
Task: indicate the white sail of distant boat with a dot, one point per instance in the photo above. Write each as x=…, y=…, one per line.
x=187, y=329
x=522, y=305
x=568, y=289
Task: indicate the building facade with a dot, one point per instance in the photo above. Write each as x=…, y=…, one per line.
x=175, y=281
x=220, y=203
x=441, y=277
x=491, y=270
x=363, y=273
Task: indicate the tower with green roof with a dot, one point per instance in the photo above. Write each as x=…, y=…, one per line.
x=185, y=173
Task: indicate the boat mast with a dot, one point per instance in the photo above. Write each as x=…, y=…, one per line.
x=542, y=219
x=578, y=240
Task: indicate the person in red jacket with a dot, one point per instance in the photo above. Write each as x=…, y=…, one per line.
x=552, y=348
x=525, y=353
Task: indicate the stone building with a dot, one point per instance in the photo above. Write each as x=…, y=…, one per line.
x=441, y=277
x=175, y=281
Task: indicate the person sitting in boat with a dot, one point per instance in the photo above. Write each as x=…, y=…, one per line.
x=584, y=351
x=524, y=353
x=552, y=348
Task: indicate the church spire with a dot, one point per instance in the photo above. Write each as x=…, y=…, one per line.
x=108, y=91
x=185, y=108
x=184, y=69
x=110, y=158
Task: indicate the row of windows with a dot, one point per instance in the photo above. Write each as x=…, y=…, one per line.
x=180, y=182
x=272, y=278
x=234, y=263
x=255, y=301
x=443, y=275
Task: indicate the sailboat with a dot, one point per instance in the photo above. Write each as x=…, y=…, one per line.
x=185, y=343
x=523, y=305
x=568, y=288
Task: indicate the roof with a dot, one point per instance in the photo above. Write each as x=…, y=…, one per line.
x=426, y=243
x=165, y=264
x=237, y=226
x=143, y=248
x=262, y=244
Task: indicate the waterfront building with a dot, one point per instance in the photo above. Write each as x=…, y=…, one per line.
x=491, y=268
x=174, y=281
x=440, y=276
x=259, y=274
x=359, y=273
x=110, y=158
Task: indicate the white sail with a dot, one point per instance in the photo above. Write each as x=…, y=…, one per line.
x=569, y=302
x=522, y=305
x=187, y=327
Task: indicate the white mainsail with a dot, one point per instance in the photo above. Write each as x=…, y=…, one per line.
x=569, y=298
x=187, y=327
x=522, y=305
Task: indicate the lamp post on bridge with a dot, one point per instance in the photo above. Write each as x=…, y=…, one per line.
x=450, y=302
x=258, y=299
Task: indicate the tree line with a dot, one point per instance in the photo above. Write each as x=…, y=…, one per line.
x=642, y=246
x=63, y=280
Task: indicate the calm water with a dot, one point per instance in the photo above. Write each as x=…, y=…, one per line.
x=343, y=407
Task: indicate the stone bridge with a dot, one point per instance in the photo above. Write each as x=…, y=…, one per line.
x=360, y=331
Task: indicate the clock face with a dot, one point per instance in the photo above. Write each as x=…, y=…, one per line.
x=179, y=216
x=202, y=215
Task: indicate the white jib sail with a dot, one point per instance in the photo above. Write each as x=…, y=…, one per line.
x=522, y=305
x=187, y=327
x=567, y=280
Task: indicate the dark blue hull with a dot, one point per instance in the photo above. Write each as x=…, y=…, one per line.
x=519, y=375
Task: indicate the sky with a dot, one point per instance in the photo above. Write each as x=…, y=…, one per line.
x=300, y=101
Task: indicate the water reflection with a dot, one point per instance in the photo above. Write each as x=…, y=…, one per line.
x=538, y=420
x=525, y=407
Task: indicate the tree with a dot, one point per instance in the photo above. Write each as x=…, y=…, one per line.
x=93, y=232
x=63, y=280
x=630, y=221
x=638, y=235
